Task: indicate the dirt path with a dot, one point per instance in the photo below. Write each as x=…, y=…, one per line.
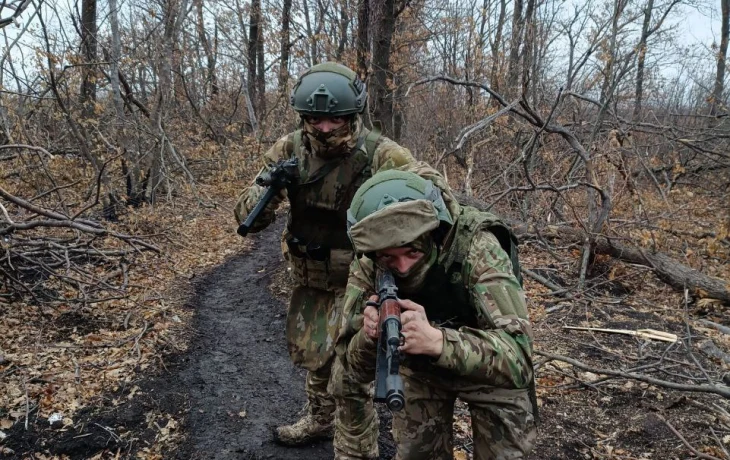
x=238, y=376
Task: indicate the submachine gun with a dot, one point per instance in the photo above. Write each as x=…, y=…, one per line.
x=388, y=382
x=280, y=176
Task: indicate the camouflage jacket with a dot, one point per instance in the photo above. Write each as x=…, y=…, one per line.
x=489, y=340
x=388, y=154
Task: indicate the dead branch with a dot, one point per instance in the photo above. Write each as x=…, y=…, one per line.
x=667, y=269
x=471, y=129
x=719, y=327
x=711, y=350
x=684, y=441
x=721, y=390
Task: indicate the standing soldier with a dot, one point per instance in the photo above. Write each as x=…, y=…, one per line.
x=465, y=331
x=335, y=154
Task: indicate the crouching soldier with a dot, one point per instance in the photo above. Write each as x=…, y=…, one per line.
x=465, y=331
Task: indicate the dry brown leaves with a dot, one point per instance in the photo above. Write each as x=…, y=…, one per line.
x=59, y=360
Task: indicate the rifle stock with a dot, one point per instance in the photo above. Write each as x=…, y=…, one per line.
x=388, y=382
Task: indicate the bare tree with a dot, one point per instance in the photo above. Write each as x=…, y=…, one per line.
x=88, y=46
x=254, y=37
x=382, y=79
x=363, y=38
x=647, y=30
x=717, y=92
x=208, y=49
x=284, y=47
x=513, y=65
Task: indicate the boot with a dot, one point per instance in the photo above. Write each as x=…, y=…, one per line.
x=303, y=431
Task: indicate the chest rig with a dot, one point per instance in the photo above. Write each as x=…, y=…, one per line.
x=318, y=215
x=317, y=247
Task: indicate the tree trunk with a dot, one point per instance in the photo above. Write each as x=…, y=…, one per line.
x=253, y=37
x=132, y=173
x=260, y=68
x=513, y=66
x=496, y=47
x=313, y=59
x=344, y=20
x=88, y=46
x=528, y=47
x=210, y=57
x=642, y=59
x=363, y=38
x=717, y=93
x=173, y=15
x=284, y=44
x=382, y=95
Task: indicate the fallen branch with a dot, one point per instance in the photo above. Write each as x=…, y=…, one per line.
x=684, y=441
x=711, y=350
x=716, y=389
x=672, y=272
x=719, y=327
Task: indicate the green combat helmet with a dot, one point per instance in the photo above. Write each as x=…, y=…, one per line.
x=329, y=90
x=394, y=208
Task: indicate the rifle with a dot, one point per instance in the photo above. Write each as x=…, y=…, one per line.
x=281, y=175
x=388, y=382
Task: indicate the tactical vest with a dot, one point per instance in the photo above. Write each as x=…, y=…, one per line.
x=445, y=294
x=319, y=249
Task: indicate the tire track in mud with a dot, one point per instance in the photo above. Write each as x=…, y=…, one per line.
x=237, y=374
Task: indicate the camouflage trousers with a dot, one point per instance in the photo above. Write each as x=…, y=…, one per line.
x=309, y=337
x=320, y=402
x=313, y=320
x=356, y=421
x=502, y=420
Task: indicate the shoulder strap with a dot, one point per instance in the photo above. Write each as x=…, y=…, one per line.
x=470, y=220
x=371, y=141
x=297, y=141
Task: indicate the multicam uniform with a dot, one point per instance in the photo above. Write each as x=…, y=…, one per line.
x=472, y=295
x=319, y=253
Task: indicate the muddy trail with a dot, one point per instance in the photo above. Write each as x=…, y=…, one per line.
x=224, y=395
x=239, y=380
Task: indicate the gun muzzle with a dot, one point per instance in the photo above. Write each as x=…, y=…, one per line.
x=395, y=398
x=243, y=229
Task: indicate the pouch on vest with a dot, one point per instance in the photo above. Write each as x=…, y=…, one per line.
x=317, y=267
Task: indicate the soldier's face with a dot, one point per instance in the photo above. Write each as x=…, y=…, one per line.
x=399, y=259
x=326, y=124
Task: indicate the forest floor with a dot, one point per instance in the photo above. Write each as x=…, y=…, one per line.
x=210, y=376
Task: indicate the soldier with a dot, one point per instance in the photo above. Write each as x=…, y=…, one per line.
x=464, y=321
x=336, y=155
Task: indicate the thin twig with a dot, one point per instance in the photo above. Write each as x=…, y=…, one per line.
x=716, y=389
x=684, y=441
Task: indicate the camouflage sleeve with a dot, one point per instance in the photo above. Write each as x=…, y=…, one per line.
x=358, y=350
x=501, y=354
x=247, y=200
x=389, y=155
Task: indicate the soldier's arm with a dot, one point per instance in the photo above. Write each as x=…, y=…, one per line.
x=499, y=355
x=390, y=155
x=247, y=200
x=359, y=350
